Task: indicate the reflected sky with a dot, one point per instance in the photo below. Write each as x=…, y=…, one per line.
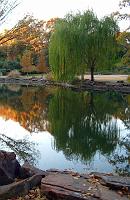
x=50, y=158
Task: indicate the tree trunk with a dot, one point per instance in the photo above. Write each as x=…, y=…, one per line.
x=82, y=77
x=92, y=73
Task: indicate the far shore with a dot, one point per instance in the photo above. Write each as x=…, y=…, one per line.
x=99, y=77
x=116, y=83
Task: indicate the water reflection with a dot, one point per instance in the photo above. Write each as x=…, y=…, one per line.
x=28, y=106
x=82, y=123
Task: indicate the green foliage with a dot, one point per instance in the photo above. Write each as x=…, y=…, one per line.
x=11, y=65
x=2, y=54
x=81, y=42
x=7, y=66
x=64, y=59
x=1, y=64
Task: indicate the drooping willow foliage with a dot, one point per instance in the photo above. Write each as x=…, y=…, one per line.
x=64, y=56
x=81, y=42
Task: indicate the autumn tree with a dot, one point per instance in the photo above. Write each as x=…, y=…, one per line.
x=123, y=37
x=15, y=50
x=30, y=31
x=29, y=34
x=124, y=45
x=82, y=42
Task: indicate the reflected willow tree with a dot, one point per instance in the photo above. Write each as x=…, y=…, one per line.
x=23, y=148
x=82, y=124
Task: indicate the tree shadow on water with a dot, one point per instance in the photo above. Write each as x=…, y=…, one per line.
x=23, y=148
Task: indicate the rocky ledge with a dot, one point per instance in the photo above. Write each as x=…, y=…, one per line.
x=73, y=186
x=16, y=180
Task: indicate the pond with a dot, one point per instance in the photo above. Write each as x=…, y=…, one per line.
x=62, y=129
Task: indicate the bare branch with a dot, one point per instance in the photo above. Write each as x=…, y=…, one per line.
x=6, y=7
x=124, y=3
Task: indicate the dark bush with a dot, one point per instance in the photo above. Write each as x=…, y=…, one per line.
x=11, y=65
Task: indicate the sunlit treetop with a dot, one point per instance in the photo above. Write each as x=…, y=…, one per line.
x=30, y=31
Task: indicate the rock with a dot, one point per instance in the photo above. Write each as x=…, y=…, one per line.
x=31, y=170
x=26, y=197
x=120, y=81
x=9, y=167
x=24, y=173
x=5, y=178
x=20, y=187
x=66, y=186
x=107, y=194
x=72, y=186
x=53, y=170
x=116, y=182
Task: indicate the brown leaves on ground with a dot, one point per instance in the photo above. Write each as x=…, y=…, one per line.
x=34, y=194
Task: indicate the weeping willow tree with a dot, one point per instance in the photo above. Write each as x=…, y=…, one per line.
x=82, y=42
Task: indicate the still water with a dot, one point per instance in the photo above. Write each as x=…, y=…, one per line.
x=63, y=129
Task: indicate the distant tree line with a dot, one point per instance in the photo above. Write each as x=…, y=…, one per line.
x=68, y=47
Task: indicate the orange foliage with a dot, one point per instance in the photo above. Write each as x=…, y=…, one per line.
x=26, y=62
x=33, y=32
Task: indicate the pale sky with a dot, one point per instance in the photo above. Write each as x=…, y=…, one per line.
x=46, y=9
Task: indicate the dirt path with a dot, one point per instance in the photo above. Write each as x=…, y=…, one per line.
x=108, y=77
